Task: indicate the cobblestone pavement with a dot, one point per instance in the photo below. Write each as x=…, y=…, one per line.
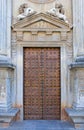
x=41, y=125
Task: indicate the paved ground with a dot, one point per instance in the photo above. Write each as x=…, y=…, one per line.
x=41, y=125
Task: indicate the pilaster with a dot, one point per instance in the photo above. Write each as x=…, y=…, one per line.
x=5, y=27
x=78, y=30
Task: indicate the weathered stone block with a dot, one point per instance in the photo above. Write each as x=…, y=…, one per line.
x=6, y=78
x=77, y=69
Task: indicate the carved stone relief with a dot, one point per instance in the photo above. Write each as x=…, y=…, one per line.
x=25, y=11
x=57, y=11
x=41, y=1
x=42, y=24
x=41, y=27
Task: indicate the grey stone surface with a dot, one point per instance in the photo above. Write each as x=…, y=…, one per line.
x=80, y=59
x=41, y=125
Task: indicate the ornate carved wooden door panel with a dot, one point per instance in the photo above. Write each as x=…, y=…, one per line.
x=32, y=84
x=51, y=88
x=41, y=83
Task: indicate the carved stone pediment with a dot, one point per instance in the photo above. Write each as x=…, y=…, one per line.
x=41, y=22
x=41, y=27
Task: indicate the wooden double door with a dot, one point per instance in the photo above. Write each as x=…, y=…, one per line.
x=42, y=83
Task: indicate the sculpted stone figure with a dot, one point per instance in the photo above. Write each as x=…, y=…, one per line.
x=24, y=11
x=58, y=11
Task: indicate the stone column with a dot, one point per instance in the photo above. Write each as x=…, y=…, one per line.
x=5, y=27
x=78, y=27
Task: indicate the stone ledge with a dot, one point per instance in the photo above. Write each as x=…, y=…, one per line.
x=79, y=63
x=7, y=118
x=76, y=65
x=7, y=65
x=77, y=117
x=5, y=62
x=10, y=112
x=80, y=59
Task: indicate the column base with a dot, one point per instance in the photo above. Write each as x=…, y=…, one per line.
x=8, y=117
x=77, y=117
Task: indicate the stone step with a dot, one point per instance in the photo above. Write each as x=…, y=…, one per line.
x=8, y=117
x=77, y=117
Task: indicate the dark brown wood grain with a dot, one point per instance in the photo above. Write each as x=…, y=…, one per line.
x=42, y=90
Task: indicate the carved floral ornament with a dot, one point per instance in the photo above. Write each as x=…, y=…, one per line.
x=57, y=11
